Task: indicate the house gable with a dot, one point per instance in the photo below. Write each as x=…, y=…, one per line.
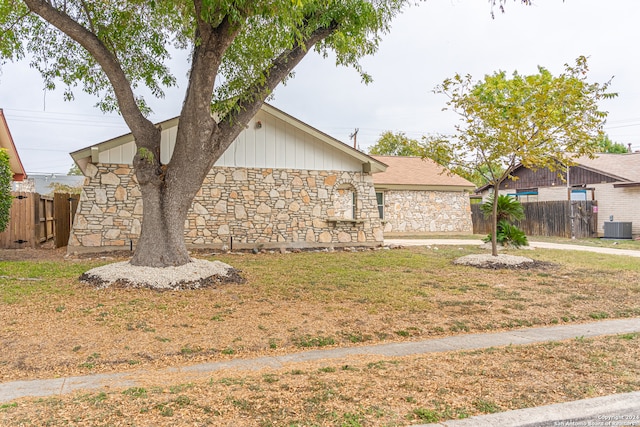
x=540, y=178
x=622, y=169
x=272, y=139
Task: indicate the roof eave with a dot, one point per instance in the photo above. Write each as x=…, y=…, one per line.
x=19, y=173
x=418, y=187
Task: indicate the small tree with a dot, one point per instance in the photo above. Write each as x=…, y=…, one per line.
x=5, y=189
x=538, y=121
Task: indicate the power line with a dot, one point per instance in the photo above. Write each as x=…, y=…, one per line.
x=61, y=113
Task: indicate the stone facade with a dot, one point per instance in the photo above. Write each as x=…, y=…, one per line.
x=427, y=212
x=240, y=208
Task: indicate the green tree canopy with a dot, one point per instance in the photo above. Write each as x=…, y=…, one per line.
x=606, y=145
x=240, y=51
x=6, y=175
x=539, y=121
x=74, y=170
x=396, y=144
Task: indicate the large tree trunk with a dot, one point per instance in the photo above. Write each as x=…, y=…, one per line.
x=167, y=195
x=161, y=240
x=168, y=190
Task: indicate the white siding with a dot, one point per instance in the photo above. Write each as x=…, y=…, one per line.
x=167, y=142
x=122, y=154
x=551, y=194
x=622, y=203
x=275, y=144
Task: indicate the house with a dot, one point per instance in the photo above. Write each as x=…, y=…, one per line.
x=419, y=196
x=6, y=142
x=47, y=183
x=613, y=180
x=282, y=183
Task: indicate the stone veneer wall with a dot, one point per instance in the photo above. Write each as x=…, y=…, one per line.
x=255, y=207
x=427, y=212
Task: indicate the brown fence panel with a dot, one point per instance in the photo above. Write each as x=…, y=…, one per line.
x=559, y=218
x=20, y=232
x=65, y=206
x=45, y=228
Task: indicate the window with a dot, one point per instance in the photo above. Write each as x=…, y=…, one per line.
x=380, y=200
x=579, y=195
x=525, y=195
x=354, y=205
x=345, y=202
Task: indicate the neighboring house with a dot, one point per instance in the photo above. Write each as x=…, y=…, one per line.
x=281, y=183
x=47, y=183
x=613, y=180
x=419, y=196
x=6, y=142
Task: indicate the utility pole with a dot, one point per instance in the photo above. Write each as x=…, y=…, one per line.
x=354, y=136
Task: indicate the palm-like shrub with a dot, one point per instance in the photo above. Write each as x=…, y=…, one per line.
x=509, y=234
x=509, y=210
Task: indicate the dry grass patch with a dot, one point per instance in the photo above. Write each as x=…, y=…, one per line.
x=53, y=325
x=359, y=392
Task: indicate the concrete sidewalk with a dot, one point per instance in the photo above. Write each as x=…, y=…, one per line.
x=533, y=245
x=615, y=410
x=51, y=387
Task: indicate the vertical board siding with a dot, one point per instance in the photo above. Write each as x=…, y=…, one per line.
x=270, y=141
x=167, y=142
x=275, y=144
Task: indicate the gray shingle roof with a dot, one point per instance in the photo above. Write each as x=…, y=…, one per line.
x=624, y=166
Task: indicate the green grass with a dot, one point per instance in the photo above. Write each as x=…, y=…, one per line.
x=313, y=341
x=37, y=279
x=396, y=279
x=601, y=243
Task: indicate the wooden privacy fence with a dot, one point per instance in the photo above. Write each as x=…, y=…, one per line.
x=36, y=219
x=564, y=218
x=64, y=210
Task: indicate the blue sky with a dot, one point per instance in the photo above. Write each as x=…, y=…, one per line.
x=428, y=43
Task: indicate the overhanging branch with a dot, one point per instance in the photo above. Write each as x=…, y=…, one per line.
x=280, y=68
x=107, y=60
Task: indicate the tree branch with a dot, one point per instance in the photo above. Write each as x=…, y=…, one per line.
x=107, y=60
x=280, y=68
x=20, y=18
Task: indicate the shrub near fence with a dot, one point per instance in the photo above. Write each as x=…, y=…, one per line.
x=568, y=219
